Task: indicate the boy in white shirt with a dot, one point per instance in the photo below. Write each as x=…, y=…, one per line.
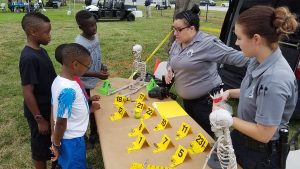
x=70, y=109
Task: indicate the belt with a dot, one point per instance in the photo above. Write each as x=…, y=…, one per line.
x=271, y=146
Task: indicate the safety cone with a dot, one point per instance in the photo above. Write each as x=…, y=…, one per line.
x=157, y=61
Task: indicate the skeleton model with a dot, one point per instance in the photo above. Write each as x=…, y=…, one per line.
x=220, y=121
x=139, y=66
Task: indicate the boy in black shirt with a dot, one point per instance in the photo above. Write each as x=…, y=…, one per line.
x=37, y=74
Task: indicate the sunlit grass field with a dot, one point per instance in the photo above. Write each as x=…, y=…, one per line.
x=116, y=39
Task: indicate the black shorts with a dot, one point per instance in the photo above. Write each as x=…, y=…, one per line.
x=39, y=143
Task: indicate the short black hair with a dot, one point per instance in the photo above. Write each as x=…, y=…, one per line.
x=59, y=52
x=191, y=17
x=33, y=19
x=82, y=16
x=74, y=51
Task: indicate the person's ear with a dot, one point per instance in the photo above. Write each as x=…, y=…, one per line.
x=33, y=31
x=193, y=28
x=257, y=39
x=74, y=65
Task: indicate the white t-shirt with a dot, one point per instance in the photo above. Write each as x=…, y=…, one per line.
x=69, y=102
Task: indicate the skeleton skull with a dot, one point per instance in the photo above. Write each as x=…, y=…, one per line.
x=220, y=118
x=137, y=51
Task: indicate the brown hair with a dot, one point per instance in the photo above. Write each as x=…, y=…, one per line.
x=272, y=24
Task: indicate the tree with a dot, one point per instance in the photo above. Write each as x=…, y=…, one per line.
x=181, y=5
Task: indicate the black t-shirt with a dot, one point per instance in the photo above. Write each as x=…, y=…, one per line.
x=37, y=69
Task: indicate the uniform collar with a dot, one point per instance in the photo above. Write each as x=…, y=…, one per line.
x=267, y=63
x=197, y=38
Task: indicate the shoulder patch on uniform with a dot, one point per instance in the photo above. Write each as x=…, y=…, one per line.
x=221, y=45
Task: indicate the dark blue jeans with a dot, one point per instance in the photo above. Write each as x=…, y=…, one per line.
x=251, y=159
x=199, y=110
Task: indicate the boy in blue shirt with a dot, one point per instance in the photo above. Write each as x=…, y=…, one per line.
x=89, y=39
x=37, y=74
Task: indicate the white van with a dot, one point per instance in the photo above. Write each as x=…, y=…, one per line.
x=161, y=4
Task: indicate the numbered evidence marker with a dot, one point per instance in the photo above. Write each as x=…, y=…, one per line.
x=180, y=155
x=138, y=109
x=138, y=143
x=183, y=131
x=150, y=166
x=164, y=143
x=120, y=100
x=164, y=123
x=142, y=97
x=119, y=114
x=149, y=112
x=198, y=145
x=141, y=128
x=136, y=166
x=147, y=166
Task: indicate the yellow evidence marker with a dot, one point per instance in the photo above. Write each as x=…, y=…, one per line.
x=141, y=128
x=147, y=166
x=180, y=155
x=138, y=109
x=149, y=113
x=138, y=143
x=198, y=145
x=162, y=124
x=183, y=131
x=120, y=100
x=142, y=97
x=164, y=143
x=119, y=114
x=136, y=166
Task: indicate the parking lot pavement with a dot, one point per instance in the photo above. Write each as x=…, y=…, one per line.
x=214, y=8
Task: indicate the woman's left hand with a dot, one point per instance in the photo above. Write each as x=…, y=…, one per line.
x=169, y=76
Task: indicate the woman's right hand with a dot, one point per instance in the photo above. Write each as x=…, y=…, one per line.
x=226, y=95
x=169, y=76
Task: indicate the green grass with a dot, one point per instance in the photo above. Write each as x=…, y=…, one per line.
x=116, y=39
